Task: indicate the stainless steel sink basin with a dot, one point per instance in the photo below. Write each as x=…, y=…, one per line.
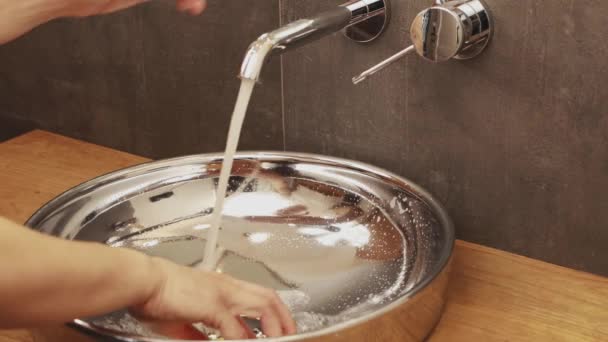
x=356, y=252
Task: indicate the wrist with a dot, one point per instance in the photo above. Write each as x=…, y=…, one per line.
x=149, y=299
x=145, y=276
x=158, y=278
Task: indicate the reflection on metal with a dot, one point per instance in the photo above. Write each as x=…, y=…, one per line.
x=362, y=21
x=455, y=29
x=452, y=29
x=357, y=242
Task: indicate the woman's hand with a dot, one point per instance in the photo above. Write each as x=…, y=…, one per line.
x=20, y=16
x=189, y=295
x=52, y=283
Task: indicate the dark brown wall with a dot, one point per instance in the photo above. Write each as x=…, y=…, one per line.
x=150, y=81
x=515, y=142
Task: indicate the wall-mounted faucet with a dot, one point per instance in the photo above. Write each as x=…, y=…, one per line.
x=362, y=21
x=459, y=29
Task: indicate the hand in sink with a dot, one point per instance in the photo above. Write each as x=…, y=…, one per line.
x=218, y=301
x=49, y=280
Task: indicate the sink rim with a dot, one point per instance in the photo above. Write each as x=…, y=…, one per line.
x=436, y=207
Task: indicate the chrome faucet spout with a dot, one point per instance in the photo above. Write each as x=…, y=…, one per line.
x=305, y=31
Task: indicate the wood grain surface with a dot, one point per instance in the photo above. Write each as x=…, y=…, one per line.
x=493, y=296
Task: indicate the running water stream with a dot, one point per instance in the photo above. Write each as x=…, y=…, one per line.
x=236, y=124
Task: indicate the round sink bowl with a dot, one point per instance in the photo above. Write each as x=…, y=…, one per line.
x=356, y=252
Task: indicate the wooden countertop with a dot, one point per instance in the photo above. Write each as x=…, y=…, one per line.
x=493, y=295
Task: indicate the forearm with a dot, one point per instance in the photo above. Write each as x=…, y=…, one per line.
x=48, y=280
x=20, y=16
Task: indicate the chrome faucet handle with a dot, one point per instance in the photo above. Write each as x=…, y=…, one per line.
x=459, y=29
x=382, y=65
x=452, y=29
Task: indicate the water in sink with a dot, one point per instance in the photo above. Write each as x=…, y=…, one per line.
x=289, y=252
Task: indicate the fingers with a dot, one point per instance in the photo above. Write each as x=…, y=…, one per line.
x=256, y=301
x=271, y=300
x=231, y=327
x=287, y=323
x=193, y=7
x=271, y=325
x=217, y=300
x=250, y=334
